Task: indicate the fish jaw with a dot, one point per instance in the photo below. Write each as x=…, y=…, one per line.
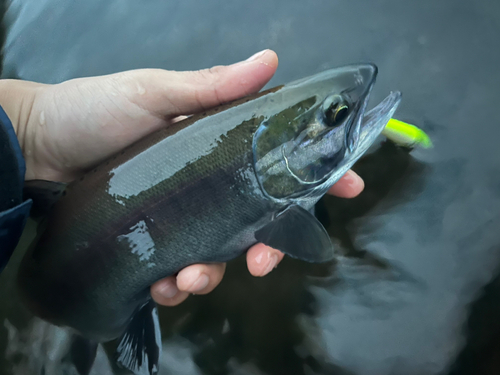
x=372, y=124
x=375, y=120
x=368, y=73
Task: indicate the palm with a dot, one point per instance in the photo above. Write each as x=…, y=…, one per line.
x=86, y=121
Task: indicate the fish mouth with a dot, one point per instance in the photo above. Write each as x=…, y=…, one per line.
x=365, y=77
x=375, y=120
x=370, y=125
x=366, y=126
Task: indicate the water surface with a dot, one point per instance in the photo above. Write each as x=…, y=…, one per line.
x=415, y=286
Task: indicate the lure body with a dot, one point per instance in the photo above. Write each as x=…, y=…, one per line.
x=406, y=135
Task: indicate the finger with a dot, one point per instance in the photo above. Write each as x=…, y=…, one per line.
x=165, y=292
x=200, y=278
x=170, y=94
x=262, y=259
x=350, y=185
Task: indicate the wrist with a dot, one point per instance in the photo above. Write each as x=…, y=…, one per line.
x=17, y=98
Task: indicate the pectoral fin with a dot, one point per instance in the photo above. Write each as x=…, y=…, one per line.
x=140, y=346
x=44, y=195
x=297, y=233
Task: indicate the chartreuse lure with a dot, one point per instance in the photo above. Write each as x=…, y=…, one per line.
x=406, y=135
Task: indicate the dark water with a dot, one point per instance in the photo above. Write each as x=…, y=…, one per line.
x=415, y=288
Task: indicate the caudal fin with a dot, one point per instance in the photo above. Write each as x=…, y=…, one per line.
x=140, y=346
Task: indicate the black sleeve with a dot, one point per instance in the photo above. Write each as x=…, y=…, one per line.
x=13, y=211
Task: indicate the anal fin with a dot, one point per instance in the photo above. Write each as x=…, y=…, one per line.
x=140, y=346
x=297, y=233
x=83, y=354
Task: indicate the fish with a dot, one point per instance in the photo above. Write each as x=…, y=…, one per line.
x=406, y=135
x=203, y=190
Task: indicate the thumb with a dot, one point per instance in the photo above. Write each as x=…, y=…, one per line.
x=170, y=94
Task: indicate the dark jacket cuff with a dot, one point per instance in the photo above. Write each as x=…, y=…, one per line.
x=13, y=211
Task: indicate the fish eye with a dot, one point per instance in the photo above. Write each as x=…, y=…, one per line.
x=336, y=109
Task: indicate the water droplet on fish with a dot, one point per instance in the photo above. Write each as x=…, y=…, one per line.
x=139, y=241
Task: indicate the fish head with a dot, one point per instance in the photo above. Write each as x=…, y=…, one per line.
x=302, y=151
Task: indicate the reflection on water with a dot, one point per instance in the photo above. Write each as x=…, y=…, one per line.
x=481, y=354
x=390, y=173
x=41, y=347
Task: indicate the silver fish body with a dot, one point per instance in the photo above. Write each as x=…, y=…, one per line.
x=203, y=190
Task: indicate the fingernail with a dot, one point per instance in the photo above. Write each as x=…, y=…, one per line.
x=256, y=56
x=352, y=179
x=273, y=261
x=169, y=290
x=200, y=283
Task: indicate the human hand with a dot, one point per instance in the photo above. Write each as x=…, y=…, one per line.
x=68, y=128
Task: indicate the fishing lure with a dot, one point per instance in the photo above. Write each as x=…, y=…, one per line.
x=406, y=135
